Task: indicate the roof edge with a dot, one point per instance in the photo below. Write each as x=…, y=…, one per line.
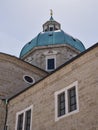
x=68, y=62
x=21, y=60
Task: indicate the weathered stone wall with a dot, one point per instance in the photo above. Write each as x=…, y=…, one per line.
x=38, y=57
x=12, y=72
x=84, y=70
x=2, y=114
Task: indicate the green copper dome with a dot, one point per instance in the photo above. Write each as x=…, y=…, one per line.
x=52, y=35
x=52, y=38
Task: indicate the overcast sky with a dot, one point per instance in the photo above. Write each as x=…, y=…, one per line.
x=21, y=21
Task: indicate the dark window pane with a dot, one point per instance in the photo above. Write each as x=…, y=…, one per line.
x=73, y=100
x=20, y=122
x=62, y=112
x=51, y=28
x=72, y=92
x=27, y=120
x=62, y=97
x=28, y=79
x=61, y=104
x=72, y=105
x=50, y=64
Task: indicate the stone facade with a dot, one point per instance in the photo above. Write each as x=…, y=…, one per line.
x=2, y=114
x=38, y=55
x=12, y=71
x=84, y=70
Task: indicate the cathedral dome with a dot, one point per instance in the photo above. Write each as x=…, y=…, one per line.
x=52, y=38
x=52, y=35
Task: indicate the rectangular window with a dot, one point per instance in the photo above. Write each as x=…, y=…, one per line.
x=27, y=120
x=20, y=122
x=61, y=104
x=66, y=101
x=72, y=99
x=51, y=27
x=24, y=119
x=50, y=61
x=50, y=64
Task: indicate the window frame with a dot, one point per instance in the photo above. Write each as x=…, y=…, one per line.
x=61, y=104
x=24, y=115
x=51, y=27
x=33, y=80
x=65, y=90
x=50, y=57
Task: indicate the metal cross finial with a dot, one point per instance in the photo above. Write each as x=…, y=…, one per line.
x=51, y=12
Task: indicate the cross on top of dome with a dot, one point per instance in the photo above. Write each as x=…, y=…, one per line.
x=51, y=24
x=51, y=12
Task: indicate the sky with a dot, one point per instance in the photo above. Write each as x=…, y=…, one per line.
x=22, y=20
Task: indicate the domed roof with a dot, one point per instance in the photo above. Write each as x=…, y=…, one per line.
x=52, y=38
x=52, y=35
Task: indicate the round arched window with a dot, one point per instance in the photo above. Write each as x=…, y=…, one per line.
x=28, y=79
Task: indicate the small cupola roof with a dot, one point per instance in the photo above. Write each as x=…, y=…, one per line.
x=51, y=24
